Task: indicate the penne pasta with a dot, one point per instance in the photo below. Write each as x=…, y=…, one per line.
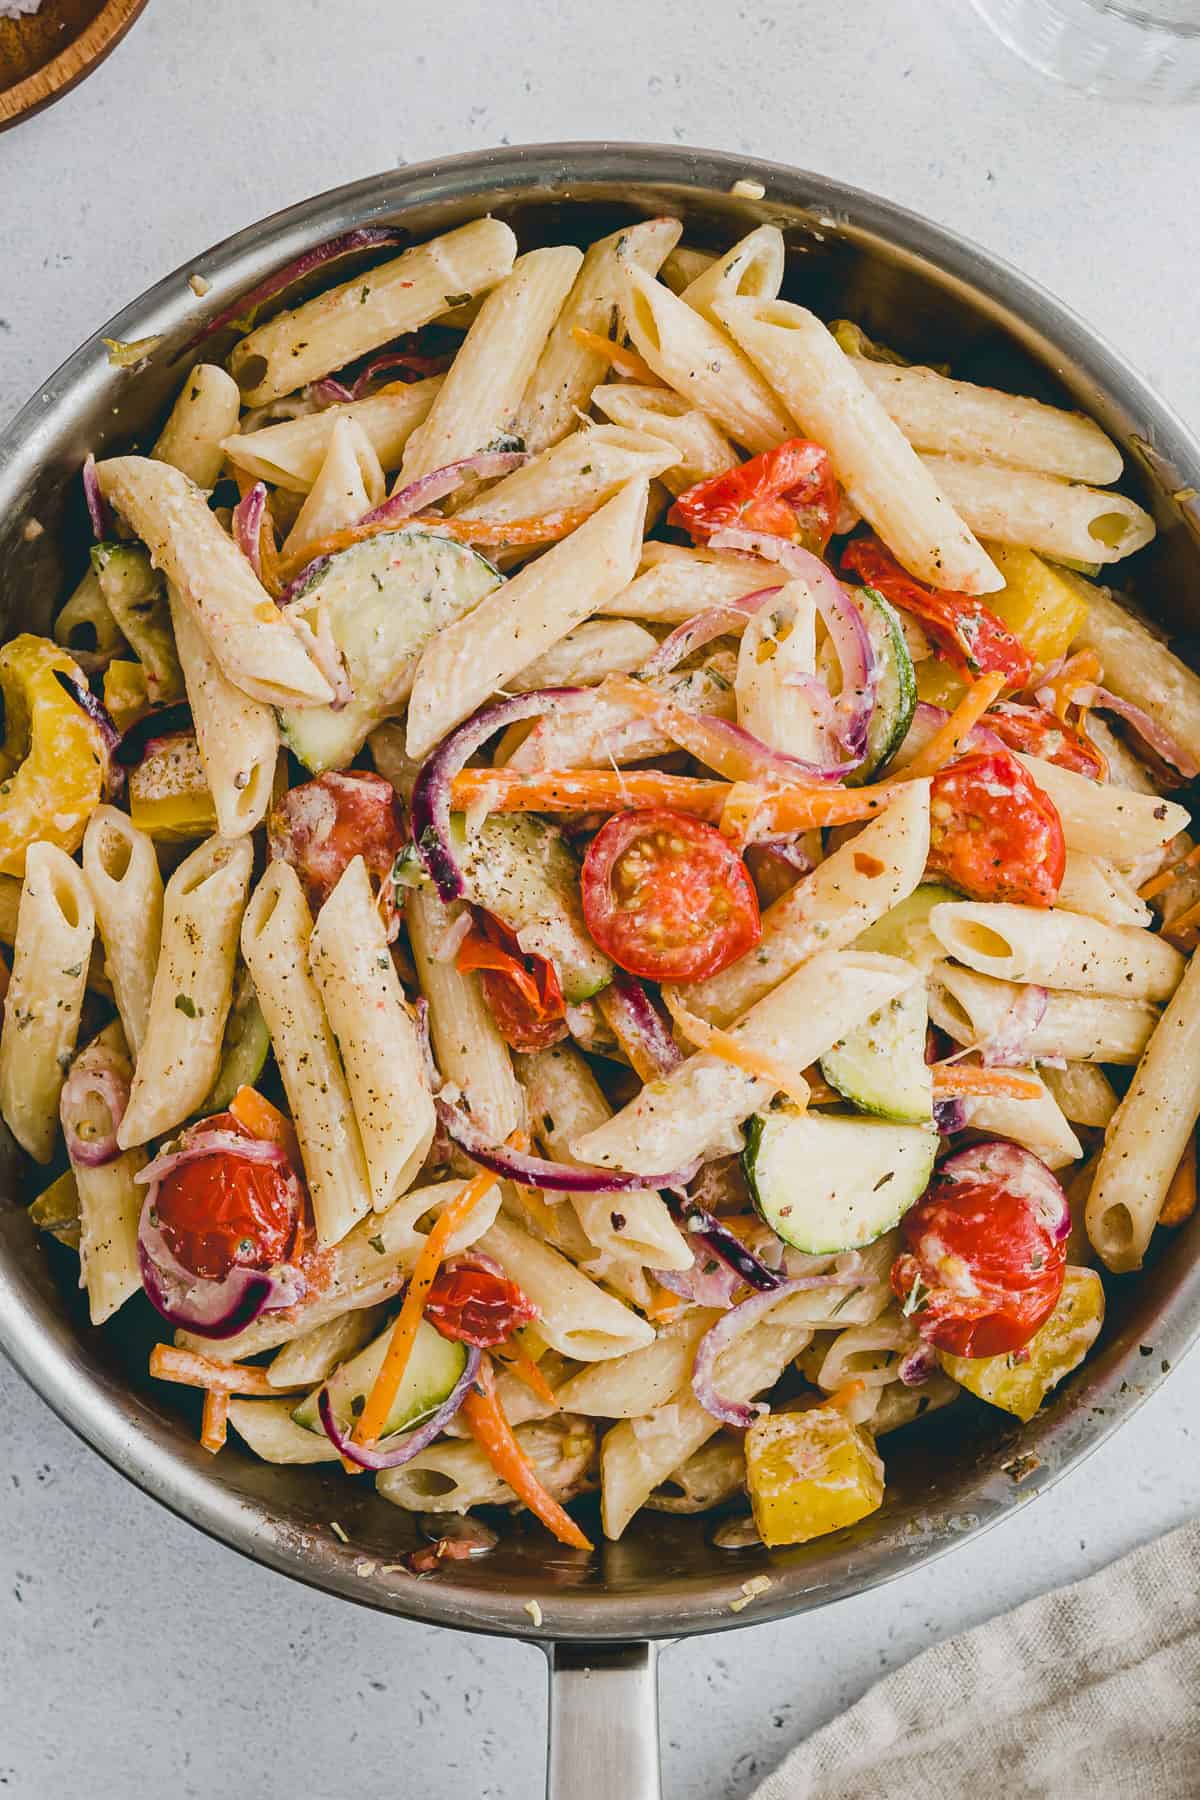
x=1040, y=1124
x=1059, y=518
x=674, y=584
x=453, y=1476
x=683, y=265
x=237, y=737
x=121, y=871
x=973, y=1009
x=1084, y=1093
x=110, y=1199
x=752, y=270
x=1057, y=949
x=1094, y=885
x=637, y=1384
x=575, y=1317
x=577, y=474
x=349, y=482
x=702, y=449
x=586, y=655
x=1111, y=822
x=203, y=416
x=289, y=454
x=1139, y=668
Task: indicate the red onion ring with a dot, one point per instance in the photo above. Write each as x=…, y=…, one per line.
x=413, y=1442
x=441, y=482
x=758, y=760
x=739, y=1318
x=918, y=1365
x=414, y=365
x=198, y=1142
x=429, y=808
x=300, y=582
x=788, y=850
x=927, y=719
x=330, y=392
x=698, y=1222
x=693, y=634
x=95, y=1073
x=537, y=1172
x=714, y=1285
x=247, y=525
x=1155, y=735
x=110, y=737
x=641, y=1022
x=98, y=508
x=241, y=312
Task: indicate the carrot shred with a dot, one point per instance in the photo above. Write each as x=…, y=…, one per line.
x=947, y=740
x=585, y=790
x=663, y=1305
x=546, y=529
x=214, y=1425
x=262, y=1120
x=492, y=1432
x=527, y=1371
x=374, y=1414
x=841, y=1397
x=623, y=360
x=751, y=812
x=720, y=1043
x=1180, y=1201
x=193, y=1370
x=1185, y=921
x=959, y=1078
x=1158, y=884
x=1080, y=670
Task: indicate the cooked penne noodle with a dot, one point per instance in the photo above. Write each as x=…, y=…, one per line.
x=180, y=1052
x=56, y=924
x=612, y=731
x=1141, y=669
x=270, y=1431
x=586, y=655
x=1057, y=949
x=121, y=871
x=468, y=1048
x=276, y=933
x=701, y=447
x=453, y=1476
x=882, y=474
x=203, y=416
x=110, y=1200
x=752, y=270
x=1111, y=822
x=577, y=474
x=566, y=370
x=1082, y=1027
x=480, y=397
x=523, y=619
x=636, y=1384
x=1040, y=1124
x=575, y=1317
x=715, y=1474
x=290, y=453
x=241, y=624
x=699, y=361
x=674, y=584
x=349, y=482
x=1093, y=885
x=370, y=309
x=1148, y=1133
x=683, y=265
x=960, y=419
x=309, y=1358
x=778, y=651
x=376, y=1033
x=1059, y=518
x=237, y=736
x=1084, y=1093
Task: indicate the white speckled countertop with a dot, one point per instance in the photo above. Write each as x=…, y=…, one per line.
x=134, y=1654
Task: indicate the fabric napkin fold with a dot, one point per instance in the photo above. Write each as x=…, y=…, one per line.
x=1091, y=1690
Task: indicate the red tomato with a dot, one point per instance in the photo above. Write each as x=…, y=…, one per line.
x=523, y=991
x=221, y=1210
x=789, y=491
x=993, y=832
x=477, y=1306
x=322, y=825
x=667, y=898
x=1038, y=733
x=986, y=1251
x=962, y=629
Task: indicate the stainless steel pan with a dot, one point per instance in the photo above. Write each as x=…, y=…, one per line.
x=927, y=292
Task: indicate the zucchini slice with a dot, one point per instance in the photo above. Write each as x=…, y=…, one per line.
x=905, y=930
x=880, y=1066
x=520, y=869
x=896, y=695
x=244, y=1049
x=826, y=1184
x=434, y=1367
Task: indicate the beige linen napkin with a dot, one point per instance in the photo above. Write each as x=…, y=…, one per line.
x=1093, y=1690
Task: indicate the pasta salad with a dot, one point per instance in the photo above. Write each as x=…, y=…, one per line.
x=593, y=893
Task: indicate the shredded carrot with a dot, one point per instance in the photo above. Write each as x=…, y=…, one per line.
x=663, y=1305
x=373, y=1417
x=546, y=529
x=947, y=740
x=526, y=1370
x=959, y=1078
x=753, y=812
x=624, y=361
x=841, y=1397
x=708, y=740
x=585, y=790
x=1079, y=671
x=731, y=1050
x=214, y=1425
x=1180, y=1201
x=1183, y=922
x=262, y=1120
x=1158, y=884
x=492, y=1432
x=193, y=1370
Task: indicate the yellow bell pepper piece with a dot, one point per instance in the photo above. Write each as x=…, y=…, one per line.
x=1036, y=603
x=125, y=695
x=1020, y=1381
x=939, y=684
x=56, y=1210
x=168, y=795
x=51, y=764
x=810, y=1473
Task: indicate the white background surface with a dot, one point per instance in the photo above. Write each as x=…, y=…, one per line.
x=135, y=1656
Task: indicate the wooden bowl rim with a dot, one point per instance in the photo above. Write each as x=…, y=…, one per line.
x=73, y=63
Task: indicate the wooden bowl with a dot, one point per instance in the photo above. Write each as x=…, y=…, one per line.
x=48, y=52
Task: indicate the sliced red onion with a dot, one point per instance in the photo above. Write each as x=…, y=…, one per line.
x=164, y=721
x=754, y=760
x=440, y=482
x=842, y=619
x=717, y=1237
x=110, y=737
x=693, y=634
x=330, y=392
x=430, y=804
x=1008, y=1045
x=709, y=1281
x=949, y=1116
x=413, y=365
x=1160, y=740
x=241, y=312
x=93, y=1074
x=198, y=1142
x=412, y=1442
x=918, y=1365
x=326, y=655
x=1020, y=1172
x=788, y=850
x=98, y=508
x=743, y=1413
x=536, y=1172
x=247, y=525
x=636, y=1020
x=212, y=1309
x=300, y=582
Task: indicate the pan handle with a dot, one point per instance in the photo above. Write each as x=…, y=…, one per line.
x=603, y=1722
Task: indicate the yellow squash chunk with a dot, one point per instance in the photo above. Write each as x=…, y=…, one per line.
x=810, y=1473
x=56, y=1210
x=1036, y=603
x=939, y=684
x=51, y=763
x=168, y=795
x=1020, y=1381
x=125, y=694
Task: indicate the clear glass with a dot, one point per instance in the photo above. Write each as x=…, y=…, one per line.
x=1134, y=51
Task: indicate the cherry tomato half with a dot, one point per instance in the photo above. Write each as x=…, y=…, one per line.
x=962, y=629
x=986, y=1248
x=221, y=1210
x=523, y=992
x=1038, y=733
x=667, y=898
x=993, y=832
x=790, y=491
x=322, y=825
x=477, y=1306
